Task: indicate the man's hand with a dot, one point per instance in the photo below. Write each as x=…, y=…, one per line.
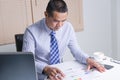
x=92, y=63
x=53, y=73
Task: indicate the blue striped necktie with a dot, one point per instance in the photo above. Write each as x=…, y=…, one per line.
x=54, y=51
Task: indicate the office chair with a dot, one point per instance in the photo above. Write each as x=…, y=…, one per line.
x=19, y=42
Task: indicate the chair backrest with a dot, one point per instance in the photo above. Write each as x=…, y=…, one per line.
x=19, y=42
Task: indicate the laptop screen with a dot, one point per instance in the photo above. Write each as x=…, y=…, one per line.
x=17, y=66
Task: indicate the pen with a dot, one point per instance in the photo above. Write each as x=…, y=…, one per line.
x=91, y=70
x=115, y=61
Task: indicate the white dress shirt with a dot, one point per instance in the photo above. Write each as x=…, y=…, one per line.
x=37, y=41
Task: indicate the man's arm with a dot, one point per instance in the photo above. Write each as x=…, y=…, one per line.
x=80, y=56
x=29, y=46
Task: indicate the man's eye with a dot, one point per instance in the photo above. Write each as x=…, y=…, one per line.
x=56, y=21
x=63, y=20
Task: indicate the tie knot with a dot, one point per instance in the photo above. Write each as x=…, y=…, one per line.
x=52, y=33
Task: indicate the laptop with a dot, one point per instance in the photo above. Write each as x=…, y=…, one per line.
x=17, y=66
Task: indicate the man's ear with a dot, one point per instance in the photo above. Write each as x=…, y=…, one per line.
x=46, y=14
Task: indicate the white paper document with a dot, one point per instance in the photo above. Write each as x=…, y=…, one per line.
x=76, y=71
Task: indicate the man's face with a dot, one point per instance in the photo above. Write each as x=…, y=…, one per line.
x=57, y=21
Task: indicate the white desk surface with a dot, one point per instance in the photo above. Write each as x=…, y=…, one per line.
x=76, y=71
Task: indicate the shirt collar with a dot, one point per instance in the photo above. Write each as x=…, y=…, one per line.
x=48, y=30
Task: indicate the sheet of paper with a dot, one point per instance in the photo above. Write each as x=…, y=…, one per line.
x=76, y=71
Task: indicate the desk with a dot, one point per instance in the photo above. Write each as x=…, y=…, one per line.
x=76, y=71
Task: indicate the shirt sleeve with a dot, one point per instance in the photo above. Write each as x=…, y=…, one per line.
x=78, y=54
x=29, y=46
x=28, y=42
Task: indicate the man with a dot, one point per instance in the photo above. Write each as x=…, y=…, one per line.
x=37, y=39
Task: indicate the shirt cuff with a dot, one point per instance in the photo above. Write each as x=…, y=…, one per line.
x=40, y=67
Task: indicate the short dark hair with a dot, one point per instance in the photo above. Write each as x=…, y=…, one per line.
x=56, y=5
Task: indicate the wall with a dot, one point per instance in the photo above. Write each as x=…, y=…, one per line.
x=97, y=27
x=8, y=48
x=118, y=28
x=97, y=33
x=99, y=30
x=115, y=25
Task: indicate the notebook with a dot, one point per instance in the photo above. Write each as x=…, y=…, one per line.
x=17, y=66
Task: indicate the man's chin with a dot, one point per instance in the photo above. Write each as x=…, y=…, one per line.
x=56, y=29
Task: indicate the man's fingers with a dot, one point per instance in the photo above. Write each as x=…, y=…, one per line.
x=60, y=72
x=88, y=67
x=56, y=77
x=93, y=63
x=101, y=68
x=55, y=74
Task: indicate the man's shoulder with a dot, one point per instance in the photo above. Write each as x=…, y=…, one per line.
x=68, y=25
x=36, y=25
